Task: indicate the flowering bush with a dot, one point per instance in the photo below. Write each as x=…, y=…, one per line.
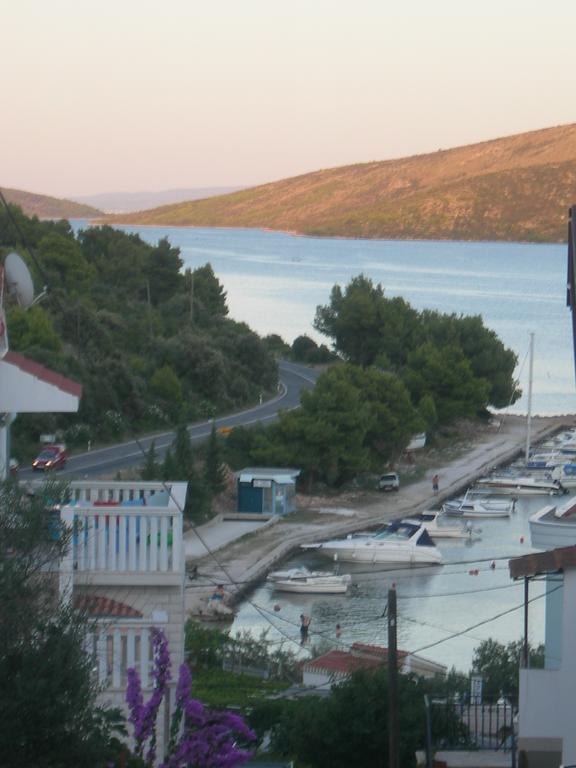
x=198, y=737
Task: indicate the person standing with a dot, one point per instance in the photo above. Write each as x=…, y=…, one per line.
x=435, y=484
x=304, y=626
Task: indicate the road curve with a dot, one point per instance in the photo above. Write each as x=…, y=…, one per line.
x=102, y=461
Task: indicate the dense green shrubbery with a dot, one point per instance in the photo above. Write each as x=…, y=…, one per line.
x=406, y=372
x=149, y=344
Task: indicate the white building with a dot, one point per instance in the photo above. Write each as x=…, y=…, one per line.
x=126, y=568
x=546, y=731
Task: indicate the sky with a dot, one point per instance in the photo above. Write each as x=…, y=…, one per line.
x=133, y=95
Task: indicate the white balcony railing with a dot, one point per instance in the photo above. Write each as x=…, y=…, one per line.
x=118, y=646
x=117, y=539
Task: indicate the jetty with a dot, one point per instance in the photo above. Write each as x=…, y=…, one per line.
x=238, y=555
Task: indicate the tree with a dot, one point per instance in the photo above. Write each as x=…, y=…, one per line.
x=393, y=419
x=182, y=452
x=169, y=468
x=198, y=498
x=47, y=691
x=447, y=377
x=350, y=727
x=166, y=385
x=150, y=470
x=325, y=436
x=499, y=666
x=209, y=295
x=363, y=324
x=214, y=473
x=487, y=355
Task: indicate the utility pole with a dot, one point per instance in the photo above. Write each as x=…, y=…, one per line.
x=393, y=726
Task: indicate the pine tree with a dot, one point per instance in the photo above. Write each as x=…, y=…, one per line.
x=214, y=473
x=183, y=457
x=198, y=498
x=169, y=467
x=150, y=470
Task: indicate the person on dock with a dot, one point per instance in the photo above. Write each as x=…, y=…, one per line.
x=304, y=626
x=218, y=593
x=435, y=484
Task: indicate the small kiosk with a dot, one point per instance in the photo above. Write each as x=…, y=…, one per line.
x=266, y=491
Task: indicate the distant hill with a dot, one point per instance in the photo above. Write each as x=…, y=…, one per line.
x=46, y=207
x=127, y=202
x=514, y=188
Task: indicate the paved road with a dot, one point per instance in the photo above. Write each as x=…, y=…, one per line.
x=293, y=379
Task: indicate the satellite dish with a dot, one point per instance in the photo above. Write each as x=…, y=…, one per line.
x=18, y=280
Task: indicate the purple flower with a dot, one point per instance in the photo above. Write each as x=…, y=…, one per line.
x=198, y=736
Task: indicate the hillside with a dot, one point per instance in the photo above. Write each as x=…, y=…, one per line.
x=514, y=188
x=46, y=207
x=126, y=202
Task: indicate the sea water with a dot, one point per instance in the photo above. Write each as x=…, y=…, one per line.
x=275, y=281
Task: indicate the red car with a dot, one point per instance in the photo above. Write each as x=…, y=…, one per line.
x=50, y=457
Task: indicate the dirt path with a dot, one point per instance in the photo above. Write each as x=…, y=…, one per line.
x=246, y=560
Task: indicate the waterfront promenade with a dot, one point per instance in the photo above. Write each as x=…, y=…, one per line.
x=241, y=553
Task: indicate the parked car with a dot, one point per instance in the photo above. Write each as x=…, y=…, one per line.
x=389, y=482
x=50, y=457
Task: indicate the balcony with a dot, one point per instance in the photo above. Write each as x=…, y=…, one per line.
x=124, y=534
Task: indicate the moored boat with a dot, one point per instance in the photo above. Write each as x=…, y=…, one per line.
x=479, y=507
x=430, y=521
x=315, y=582
x=521, y=485
x=399, y=542
x=554, y=526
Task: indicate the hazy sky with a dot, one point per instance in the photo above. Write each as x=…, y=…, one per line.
x=141, y=94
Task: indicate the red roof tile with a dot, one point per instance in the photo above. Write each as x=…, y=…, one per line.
x=43, y=373
x=99, y=606
x=342, y=661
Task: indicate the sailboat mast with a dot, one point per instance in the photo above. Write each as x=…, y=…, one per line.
x=529, y=419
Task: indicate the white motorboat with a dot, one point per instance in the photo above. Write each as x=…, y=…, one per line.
x=565, y=475
x=521, y=485
x=316, y=582
x=467, y=506
x=399, y=542
x=429, y=520
x=554, y=526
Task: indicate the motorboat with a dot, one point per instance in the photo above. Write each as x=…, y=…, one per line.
x=316, y=582
x=399, y=542
x=470, y=506
x=520, y=485
x=565, y=475
x=430, y=521
x=554, y=526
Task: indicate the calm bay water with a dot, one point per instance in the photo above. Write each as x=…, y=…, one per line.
x=275, y=281
x=433, y=603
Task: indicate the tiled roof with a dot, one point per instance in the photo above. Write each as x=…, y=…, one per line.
x=43, y=373
x=376, y=651
x=99, y=606
x=341, y=661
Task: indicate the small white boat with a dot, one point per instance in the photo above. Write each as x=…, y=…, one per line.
x=316, y=582
x=565, y=475
x=399, y=542
x=429, y=520
x=479, y=507
x=521, y=485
